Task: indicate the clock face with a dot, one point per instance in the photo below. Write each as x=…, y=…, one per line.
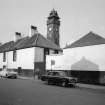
x=50, y=29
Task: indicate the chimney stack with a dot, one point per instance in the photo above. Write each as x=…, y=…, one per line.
x=17, y=36
x=33, y=31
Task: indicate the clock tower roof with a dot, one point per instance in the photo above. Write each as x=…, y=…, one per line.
x=53, y=14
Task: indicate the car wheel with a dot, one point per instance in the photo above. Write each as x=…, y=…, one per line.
x=15, y=77
x=6, y=75
x=71, y=85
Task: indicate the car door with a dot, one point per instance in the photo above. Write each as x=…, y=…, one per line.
x=50, y=77
x=56, y=77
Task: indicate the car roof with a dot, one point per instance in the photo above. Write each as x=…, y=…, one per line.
x=56, y=71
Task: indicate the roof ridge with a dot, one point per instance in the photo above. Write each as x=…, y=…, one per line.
x=88, y=40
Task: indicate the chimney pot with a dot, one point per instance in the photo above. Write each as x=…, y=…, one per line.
x=33, y=27
x=17, y=36
x=33, y=30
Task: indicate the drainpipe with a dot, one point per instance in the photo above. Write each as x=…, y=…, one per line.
x=34, y=53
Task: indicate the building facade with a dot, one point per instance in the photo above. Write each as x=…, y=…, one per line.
x=27, y=55
x=83, y=59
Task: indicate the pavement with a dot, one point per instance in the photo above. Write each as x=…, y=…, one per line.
x=100, y=88
x=22, y=77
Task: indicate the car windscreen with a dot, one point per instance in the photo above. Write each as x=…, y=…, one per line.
x=62, y=74
x=57, y=73
x=10, y=70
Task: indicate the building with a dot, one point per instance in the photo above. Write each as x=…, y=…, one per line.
x=84, y=59
x=27, y=55
x=53, y=24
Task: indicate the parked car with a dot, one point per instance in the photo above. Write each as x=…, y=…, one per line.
x=59, y=78
x=8, y=73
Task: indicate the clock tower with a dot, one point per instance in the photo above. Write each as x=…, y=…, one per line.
x=53, y=24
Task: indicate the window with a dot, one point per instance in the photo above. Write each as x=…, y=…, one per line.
x=56, y=52
x=46, y=51
x=14, y=55
x=4, y=57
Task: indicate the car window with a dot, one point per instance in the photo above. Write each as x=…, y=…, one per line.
x=50, y=73
x=8, y=70
x=55, y=74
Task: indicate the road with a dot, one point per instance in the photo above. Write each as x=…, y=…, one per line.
x=31, y=92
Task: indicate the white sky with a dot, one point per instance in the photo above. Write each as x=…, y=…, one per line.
x=78, y=17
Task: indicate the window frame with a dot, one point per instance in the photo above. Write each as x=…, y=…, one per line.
x=14, y=56
x=4, y=56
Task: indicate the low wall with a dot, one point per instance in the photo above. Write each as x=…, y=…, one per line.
x=91, y=77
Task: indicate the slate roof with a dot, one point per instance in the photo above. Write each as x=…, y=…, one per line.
x=7, y=46
x=20, y=44
x=46, y=43
x=36, y=40
x=87, y=40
